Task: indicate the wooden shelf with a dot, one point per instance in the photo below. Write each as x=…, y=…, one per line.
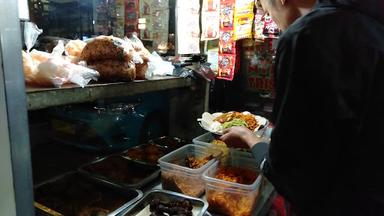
x=40, y=98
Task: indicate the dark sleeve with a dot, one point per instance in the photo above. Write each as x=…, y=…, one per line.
x=308, y=109
x=259, y=151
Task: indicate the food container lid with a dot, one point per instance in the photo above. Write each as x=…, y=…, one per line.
x=174, y=159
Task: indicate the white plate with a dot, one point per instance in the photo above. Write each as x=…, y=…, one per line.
x=207, y=122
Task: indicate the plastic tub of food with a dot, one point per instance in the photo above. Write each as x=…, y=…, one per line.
x=210, y=140
x=121, y=171
x=232, y=186
x=182, y=169
x=161, y=202
x=75, y=194
x=145, y=153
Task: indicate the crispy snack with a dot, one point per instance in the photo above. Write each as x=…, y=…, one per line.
x=112, y=70
x=107, y=47
x=252, y=123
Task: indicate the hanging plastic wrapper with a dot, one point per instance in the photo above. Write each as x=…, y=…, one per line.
x=210, y=19
x=188, y=26
x=264, y=26
x=243, y=19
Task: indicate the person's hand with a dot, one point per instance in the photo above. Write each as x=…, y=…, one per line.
x=239, y=137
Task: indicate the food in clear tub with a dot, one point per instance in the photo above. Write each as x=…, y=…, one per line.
x=230, y=202
x=195, y=163
x=182, y=183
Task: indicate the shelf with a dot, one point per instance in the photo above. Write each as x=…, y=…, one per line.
x=40, y=98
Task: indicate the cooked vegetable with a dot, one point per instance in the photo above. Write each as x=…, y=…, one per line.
x=235, y=122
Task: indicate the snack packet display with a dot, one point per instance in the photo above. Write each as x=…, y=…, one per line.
x=264, y=26
x=227, y=43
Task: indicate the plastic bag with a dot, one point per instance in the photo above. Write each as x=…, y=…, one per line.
x=158, y=67
x=31, y=32
x=44, y=69
x=57, y=72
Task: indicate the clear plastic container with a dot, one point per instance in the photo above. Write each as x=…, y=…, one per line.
x=230, y=198
x=175, y=176
x=207, y=138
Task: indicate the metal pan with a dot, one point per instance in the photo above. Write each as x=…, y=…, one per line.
x=117, y=170
x=75, y=194
x=165, y=196
x=146, y=153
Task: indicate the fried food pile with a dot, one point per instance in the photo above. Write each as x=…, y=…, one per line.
x=238, y=119
x=111, y=57
x=172, y=208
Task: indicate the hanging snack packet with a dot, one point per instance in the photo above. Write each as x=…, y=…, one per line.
x=226, y=66
x=243, y=19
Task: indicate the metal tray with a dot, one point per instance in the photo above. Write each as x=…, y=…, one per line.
x=119, y=171
x=72, y=193
x=170, y=143
x=165, y=196
x=145, y=154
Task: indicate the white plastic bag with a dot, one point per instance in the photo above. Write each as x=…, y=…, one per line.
x=158, y=67
x=57, y=72
x=31, y=32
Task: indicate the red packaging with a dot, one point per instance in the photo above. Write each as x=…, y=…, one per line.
x=226, y=66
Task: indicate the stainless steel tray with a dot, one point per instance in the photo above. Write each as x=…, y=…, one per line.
x=165, y=196
x=63, y=188
x=136, y=168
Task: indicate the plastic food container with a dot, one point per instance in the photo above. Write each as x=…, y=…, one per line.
x=141, y=208
x=175, y=176
x=230, y=198
x=75, y=194
x=207, y=138
x=146, y=153
x=121, y=171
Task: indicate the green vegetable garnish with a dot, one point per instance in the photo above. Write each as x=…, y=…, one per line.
x=235, y=122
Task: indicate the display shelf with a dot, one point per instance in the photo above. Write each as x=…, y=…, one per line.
x=40, y=98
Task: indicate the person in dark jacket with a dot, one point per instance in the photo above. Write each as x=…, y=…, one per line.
x=326, y=153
